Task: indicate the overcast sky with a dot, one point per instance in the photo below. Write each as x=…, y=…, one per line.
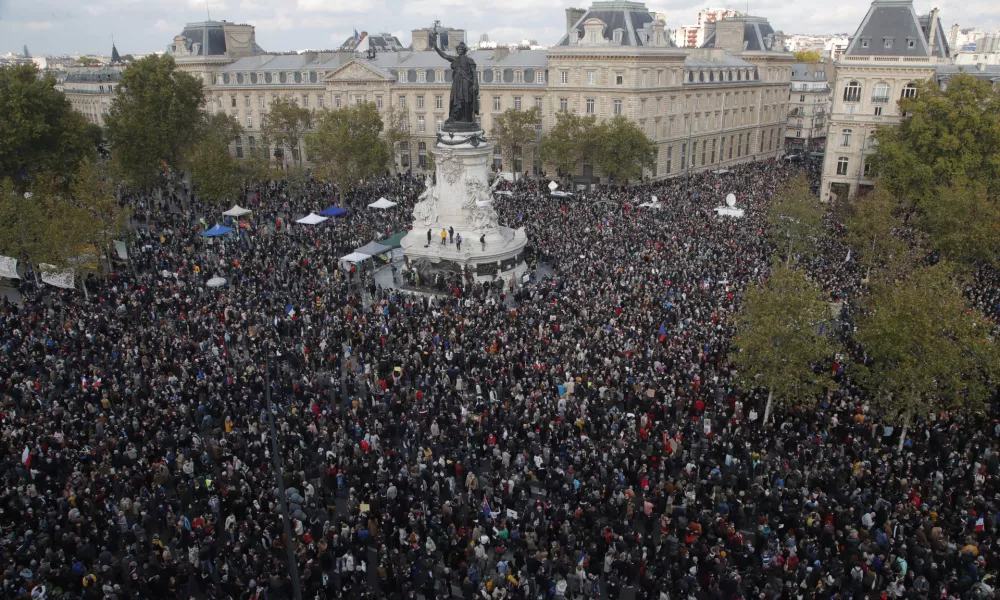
x=138, y=26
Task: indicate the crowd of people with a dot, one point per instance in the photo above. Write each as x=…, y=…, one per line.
x=579, y=437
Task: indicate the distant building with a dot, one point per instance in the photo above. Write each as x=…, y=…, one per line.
x=808, y=107
x=90, y=91
x=206, y=46
x=892, y=49
x=448, y=38
x=378, y=42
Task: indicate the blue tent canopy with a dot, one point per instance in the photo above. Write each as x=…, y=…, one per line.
x=333, y=211
x=217, y=231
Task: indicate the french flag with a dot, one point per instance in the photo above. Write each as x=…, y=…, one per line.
x=26, y=457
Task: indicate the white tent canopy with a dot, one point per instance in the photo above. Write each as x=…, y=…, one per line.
x=651, y=205
x=237, y=211
x=355, y=257
x=311, y=219
x=382, y=203
x=8, y=267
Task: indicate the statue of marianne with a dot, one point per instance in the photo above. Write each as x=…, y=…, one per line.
x=464, y=105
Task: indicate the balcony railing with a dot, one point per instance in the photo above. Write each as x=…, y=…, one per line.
x=880, y=99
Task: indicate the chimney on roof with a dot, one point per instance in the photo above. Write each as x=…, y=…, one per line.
x=932, y=34
x=572, y=16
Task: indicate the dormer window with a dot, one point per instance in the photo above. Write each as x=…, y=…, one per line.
x=911, y=43
x=865, y=42
x=887, y=43
x=618, y=36
x=402, y=76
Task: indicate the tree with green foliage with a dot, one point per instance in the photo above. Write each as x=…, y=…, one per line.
x=347, y=146
x=873, y=231
x=513, y=132
x=89, y=61
x=153, y=120
x=396, y=131
x=571, y=141
x=950, y=137
x=926, y=350
x=100, y=218
x=795, y=219
x=623, y=150
x=39, y=130
x=215, y=174
x=963, y=223
x=807, y=56
x=782, y=343
x=285, y=124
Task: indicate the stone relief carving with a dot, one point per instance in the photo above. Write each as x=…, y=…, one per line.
x=425, y=212
x=450, y=167
x=479, y=217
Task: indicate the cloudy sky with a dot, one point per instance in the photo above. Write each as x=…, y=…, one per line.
x=86, y=26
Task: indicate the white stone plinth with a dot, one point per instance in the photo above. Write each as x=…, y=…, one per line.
x=462, y=200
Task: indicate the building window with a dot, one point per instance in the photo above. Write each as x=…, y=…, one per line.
x=910, y=43
x=591, y=77
x=404, y=154
x=880, y=93
x=564, y=77
x=336, y=101
x=249, y=121
x=402, y=103
x=845, y=138
x=722, y=149
x=539, y=76
x=422, y=155
x=617, y=107
x=358, y=99
x=864, y=42
x=842, y=165
x=852, y=93
x=878, y=111
x=402, y=76
x=233, y=101
x=739, y=147
x=378, y=102
x=670, y=159
x=645, y=78
x=619, y=79
x=888, y=43
x=517, y=103
x=496, y=102
x=713, y=150
x=239, y=147
x=591, y=106
x=261, y=99
x=438, y=102
x=684, y=157
x=518, y=76
x=747, y=150
x=564, y=105
x=440, y=125
x=497, y=159
x=731, y=144
x=420, y=102
x=909, y=91
x=246, y=101
x=704, y=152
x=798, y=133
x=421, y=76
x=538, y=103
x=305, y=101
x=252, y=142
x=868, y=170
x=421, y=126
x=320, y=101
x=802, y=98
x=642, y=106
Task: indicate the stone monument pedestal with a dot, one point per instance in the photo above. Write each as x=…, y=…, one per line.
x=462, y=199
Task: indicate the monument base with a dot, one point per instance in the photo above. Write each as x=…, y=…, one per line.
x=462, y=201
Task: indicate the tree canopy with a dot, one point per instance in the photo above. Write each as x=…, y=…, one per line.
x=873, y=231
x=807, y=56
x=39, y=130
x=623, y=150
x=571, y=141
x=286, y=123
x=781, y=342
x=513, y=131
x=950, y=137
x=795, y=219
x=926, y=350
x=396, y=131
x=215, y=174
x=153, y=120
x=347, y=145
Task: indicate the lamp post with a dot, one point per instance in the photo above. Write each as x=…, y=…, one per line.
x=293, y=566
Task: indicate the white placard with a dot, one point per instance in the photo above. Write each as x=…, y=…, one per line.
x=60, y=279
x=511, y=514
x=121, y=249
x=553, y=186
x=8, y=267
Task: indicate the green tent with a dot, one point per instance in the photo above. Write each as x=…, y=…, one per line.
x=393, y=240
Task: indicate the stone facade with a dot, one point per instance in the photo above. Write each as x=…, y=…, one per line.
x=809, y=105
x=91, y=91
x=704, y=108
x=891, y=51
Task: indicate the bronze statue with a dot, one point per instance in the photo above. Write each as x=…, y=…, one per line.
x=464, y=105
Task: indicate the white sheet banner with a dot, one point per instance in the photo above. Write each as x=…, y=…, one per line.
x=8, y=267
x=121, y=249
x=60, y=279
